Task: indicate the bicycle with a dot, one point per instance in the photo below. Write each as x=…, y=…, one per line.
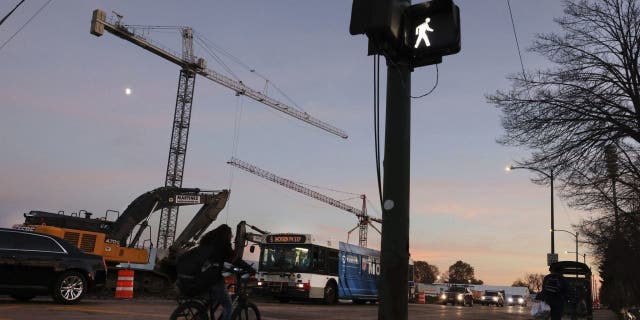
x=205, y=307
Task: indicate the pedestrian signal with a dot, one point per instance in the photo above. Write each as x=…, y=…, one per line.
x=432, y=31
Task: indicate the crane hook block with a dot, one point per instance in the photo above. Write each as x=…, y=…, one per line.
x=97, y=22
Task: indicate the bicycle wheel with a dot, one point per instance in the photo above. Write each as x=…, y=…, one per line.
x=216, y=311
x=246, y=311
x=190, y=310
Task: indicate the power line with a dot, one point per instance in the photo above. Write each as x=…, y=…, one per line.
x=515, y=35
x=26, y=23
x=10, y=12
x=376, y=120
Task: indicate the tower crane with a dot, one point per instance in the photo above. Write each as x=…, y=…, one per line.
x=364, y=220
x=190, y=67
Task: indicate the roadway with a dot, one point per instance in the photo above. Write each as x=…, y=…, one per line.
x=138, y=309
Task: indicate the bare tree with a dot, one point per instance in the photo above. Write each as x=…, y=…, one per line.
x=588, y=99
x=581, y=119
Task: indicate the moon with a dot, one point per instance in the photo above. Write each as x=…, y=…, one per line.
x=127, y=91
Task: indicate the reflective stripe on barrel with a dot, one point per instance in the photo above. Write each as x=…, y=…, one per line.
x=421, y=298
x=124, y=285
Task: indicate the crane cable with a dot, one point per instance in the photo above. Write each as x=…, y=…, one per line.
x=25, y=24
x=212, y=46
x=234, y=147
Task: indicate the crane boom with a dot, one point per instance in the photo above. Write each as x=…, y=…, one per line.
x=99, y=23
x=363, y=219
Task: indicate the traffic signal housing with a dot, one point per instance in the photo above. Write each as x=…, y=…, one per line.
x=381, y=21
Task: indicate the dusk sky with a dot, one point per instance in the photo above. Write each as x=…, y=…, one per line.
x=71, y=139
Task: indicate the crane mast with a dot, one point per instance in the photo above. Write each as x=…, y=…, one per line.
x=364, y=220
x=190, y=66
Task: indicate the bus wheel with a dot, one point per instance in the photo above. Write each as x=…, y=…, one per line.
x=330, y=293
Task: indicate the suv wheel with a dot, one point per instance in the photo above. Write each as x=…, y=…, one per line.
x=69, y=287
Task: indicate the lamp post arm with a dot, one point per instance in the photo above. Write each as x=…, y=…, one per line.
x=550, y=176
x=573, y=234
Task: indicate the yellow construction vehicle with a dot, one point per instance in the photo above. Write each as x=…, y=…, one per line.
x=116, y=242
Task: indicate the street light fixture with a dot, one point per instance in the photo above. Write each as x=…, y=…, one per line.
x=550, y=176
x=573, y=234
x=584, y=256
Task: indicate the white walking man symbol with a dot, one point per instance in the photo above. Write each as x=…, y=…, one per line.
x=421, y=32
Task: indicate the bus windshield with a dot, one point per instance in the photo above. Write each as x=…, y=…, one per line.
x=285, y=258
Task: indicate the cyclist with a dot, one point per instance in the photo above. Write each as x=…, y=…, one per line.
x=219, y=239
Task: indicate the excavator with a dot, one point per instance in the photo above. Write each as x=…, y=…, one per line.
x=119, y=245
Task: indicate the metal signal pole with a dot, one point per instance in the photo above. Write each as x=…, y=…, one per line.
x=409, y=36
x=394, y=253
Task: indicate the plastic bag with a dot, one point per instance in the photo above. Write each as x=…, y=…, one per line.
x=540, y=310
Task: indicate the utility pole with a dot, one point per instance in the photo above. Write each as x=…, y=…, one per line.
x=409, y=37
x=394, y=253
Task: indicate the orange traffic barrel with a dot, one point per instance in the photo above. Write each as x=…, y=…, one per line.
x=124, y=285
x=421, y=299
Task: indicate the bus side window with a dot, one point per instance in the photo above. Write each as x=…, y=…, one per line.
x=332, y=261
x=320, y=262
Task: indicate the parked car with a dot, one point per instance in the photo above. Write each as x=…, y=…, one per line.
x=457, y=295
x=516, y=300
x=492, y=298
x=34, y=264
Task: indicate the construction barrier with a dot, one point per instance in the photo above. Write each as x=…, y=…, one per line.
x=421, y=299
x=124, y=285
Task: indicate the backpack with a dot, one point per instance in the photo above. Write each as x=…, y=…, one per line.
x=196, y=273
x=552, y=287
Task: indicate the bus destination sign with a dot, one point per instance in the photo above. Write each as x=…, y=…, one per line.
x=286, y=238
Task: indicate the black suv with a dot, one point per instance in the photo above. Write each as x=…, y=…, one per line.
x=493, y=298
x=457, y=295
x=34, y=264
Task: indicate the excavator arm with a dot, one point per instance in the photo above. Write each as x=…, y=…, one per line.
x=163, y=197
x=201, y=221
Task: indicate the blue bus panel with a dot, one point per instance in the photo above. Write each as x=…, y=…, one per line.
x=359, y=269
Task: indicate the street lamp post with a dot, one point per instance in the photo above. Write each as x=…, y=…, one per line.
x=584, y=256
x=573, y=234
x=550, y=176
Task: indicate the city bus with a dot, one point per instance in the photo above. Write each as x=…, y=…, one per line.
x=302, y=267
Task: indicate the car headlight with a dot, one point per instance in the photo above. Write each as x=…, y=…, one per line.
x=520, y=300
x=260, y=283
x=443, y=296
x=484, y=297
x=495, y=298
x=460, y=297
x=300, y=285
x=510, y=300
